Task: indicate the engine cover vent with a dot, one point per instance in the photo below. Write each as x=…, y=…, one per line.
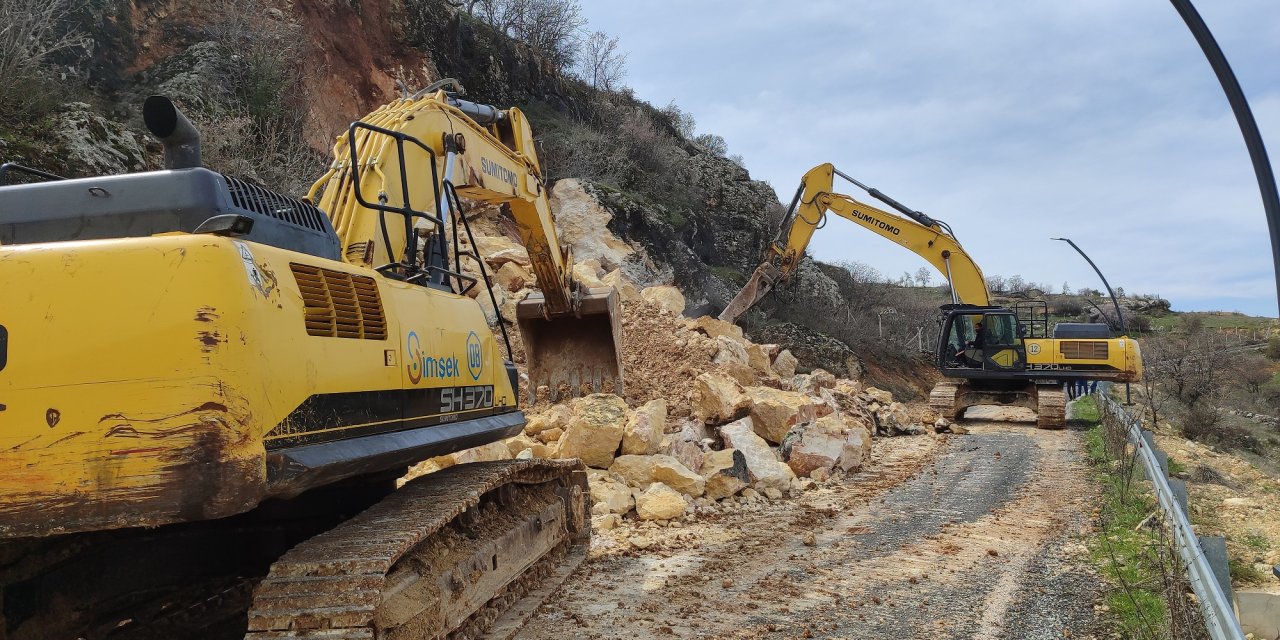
x=270, y=203
x=340, y=304
x=1084, y=349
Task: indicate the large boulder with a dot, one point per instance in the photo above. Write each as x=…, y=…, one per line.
x=718, y=398
x=689, y=452
x=583, y=224
x=644, y=429
x=826, y=444
x=879, y=395
x=758, y=359
x=512, y=277
x=627, y=291
x=660, y=502
x=667, y=297
x=605, y=490
x=715, y=328
x=763, y=465
x=726, y=473
x=730, y=351
x=785, y=365
x=557, y=417
x=774, y=412
x=642, y=471
x=595, y=430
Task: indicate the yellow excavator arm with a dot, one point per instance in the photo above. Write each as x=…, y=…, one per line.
x=375, y=186
x=923, y=236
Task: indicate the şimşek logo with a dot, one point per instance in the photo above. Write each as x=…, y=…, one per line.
x=475, y=356
x=419, y=365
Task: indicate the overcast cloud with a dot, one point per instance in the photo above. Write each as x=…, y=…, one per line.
x=1013, y=120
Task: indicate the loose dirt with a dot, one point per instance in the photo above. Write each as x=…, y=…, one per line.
x=971, y=536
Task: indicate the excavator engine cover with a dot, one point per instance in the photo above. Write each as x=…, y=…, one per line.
x=573, y=353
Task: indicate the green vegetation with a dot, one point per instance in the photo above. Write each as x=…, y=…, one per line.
x=1243, y=571
x=1119, y=547
x=1130, y=547
x=1086, y=410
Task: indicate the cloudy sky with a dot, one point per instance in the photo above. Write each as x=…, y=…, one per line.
x=1013, y=120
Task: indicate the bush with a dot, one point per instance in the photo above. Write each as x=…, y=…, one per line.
x=1273, y=348
x=31, y=31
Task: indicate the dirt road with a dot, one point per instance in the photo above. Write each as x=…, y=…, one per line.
x=972, y=536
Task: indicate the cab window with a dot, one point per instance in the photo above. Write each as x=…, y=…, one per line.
x=1001, y=330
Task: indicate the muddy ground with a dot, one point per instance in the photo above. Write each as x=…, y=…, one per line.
x=968, y=536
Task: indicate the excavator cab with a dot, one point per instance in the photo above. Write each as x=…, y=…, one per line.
x=977, y=341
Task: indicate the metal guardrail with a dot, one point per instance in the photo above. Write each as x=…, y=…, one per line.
x=1219, y=615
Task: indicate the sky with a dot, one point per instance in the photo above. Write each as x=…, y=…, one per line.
x=1013, y=120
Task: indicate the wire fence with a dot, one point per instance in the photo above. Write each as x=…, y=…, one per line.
x=1214, y=605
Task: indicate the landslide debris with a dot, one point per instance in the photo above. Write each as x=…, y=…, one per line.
x=706, y=415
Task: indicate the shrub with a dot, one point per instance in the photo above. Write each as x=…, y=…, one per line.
x=31, y=31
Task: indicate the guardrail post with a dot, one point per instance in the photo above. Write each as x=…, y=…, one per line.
x=1179, y=489
x=1215, y=551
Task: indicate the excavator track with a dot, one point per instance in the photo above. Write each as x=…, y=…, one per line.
x=442, y=557
x=943, y=399
x=1051, y=407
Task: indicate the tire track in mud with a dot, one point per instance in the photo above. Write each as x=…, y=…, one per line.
x=943, y=537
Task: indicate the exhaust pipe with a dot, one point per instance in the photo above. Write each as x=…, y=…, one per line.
x=180, y=138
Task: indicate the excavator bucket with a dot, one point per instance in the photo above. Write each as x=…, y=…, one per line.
x=573, y=353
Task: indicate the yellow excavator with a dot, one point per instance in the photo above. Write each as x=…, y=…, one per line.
x=989, y=354
x=209, y=390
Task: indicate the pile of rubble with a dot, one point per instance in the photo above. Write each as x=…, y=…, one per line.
x=707, y=415
x=747, y=423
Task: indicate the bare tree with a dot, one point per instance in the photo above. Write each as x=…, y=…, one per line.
x=551, y=27
x=924, y=276
x=713, y=143
x=602, y=65
x=682, y=120
x=30, y=32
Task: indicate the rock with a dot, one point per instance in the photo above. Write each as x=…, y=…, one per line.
x=588, y=274
x=774, y=412
x=643, y=432
x=758, y=359
x=605, y=490
x=689, y=452
x=809, y=447
x=527, y=454
x=101, y=146
x=820, y=474
x=857, y=450
x=660, y=502
x=879, y=395
x=818, y=379
x=582, y=223
x=894, y=419
x=826, y=444
x=666, y=297
x=785, y=364
x=809, y=539
x=718, y=398
x=595, y=430
x=627, y=292
x=745, y=375
x=1244, y=503
x=512, y=277
x=729, y=351
x=643, y=471
x=606, y=522
x=725, y=472
x=487, y=303
x=520, y=443
x=772, y=493
x=763, y=465
x=486, y=453
x=716, y=328
x=499, y=250
x=557, y=417
x=549, y=436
